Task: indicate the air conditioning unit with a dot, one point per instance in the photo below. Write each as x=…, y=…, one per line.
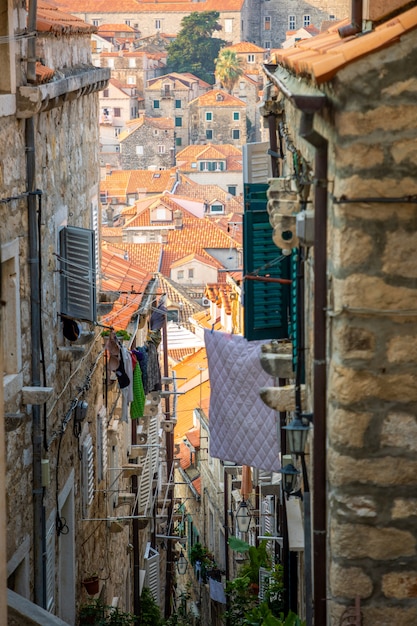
x=205, y=301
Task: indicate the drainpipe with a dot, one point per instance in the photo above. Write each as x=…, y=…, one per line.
x=319, y=366
x=39, y=535
x=355, y=26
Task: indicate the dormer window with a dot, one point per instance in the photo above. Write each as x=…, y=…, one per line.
x=161, y=214
x=219, y=97
x=217, y=207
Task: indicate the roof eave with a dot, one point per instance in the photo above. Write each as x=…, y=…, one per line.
x=306, y=98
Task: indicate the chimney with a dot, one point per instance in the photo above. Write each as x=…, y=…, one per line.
x=178, y=219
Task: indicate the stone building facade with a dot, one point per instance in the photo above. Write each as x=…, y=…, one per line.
x=256, y=21
x=148, y=143
x=352, y=124
x=217, y=117
x=169, y=95
x=58, y=449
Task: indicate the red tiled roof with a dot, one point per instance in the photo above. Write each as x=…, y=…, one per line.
x=218, y=98
x=43, y=74
x=50, y=19
x=194, y=153
x=244, y=47
x=145, y=6
x=321, y=57
x=121, y=275
x=146, y=256
x=193, y=437
x=195, y=235
x=121, y=183
x=179, y=354
x=220, y=294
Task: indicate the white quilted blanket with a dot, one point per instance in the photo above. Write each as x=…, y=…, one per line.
x=242, y=428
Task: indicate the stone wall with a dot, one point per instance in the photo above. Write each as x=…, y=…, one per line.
x=370, y=125
x=152, y=141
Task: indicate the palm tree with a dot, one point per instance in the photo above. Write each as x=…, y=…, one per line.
x=229, y=68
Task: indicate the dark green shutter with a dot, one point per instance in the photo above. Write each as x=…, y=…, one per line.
x=266, y=305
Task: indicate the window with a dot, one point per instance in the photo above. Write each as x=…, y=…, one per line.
x=105, y=93
x=167, y=89
x=235, y=133
x=96, y=22
x=216, y=208
x=155, y=132
x=228, y=26
x=78, y=280
x=306, y=20
x=131, y=80
x=236, y=116
x=161, y=149
x=191, y=273
x=157, y=24
x=156, y=104
x=332, y=17
x=177, y=104
x=132, y=63
x=251, y=58
x=180, y=274
x=209, y=116
x=209, y=134
x=127, y=22
x=173, y=315
x=117, y=131
x=178, y=121
x=291, y=22
x=193, y=165
x=117, y=112
x=267, y=23
x=231, y=189
x=110, y=63
x=178, y=141
x=267, y=45
x=139, y=150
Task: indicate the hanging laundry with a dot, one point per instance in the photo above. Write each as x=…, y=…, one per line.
x=153, y=369
x=112, y=348
x=138, y=404
x=242, y=428
x=141, y=353
x=158, y=315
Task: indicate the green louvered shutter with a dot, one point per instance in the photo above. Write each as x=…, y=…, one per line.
x=266, y=305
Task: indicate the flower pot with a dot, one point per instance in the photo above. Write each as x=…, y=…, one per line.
x=91, y=585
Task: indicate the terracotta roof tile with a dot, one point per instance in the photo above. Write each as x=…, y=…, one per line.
x=321, y=57
x=51, y=19
x=145, y=6
x=218, y=98
x=120, y=183
x=179, y=354
x=146, y=256
x=121, y=275
x=43, y=74
x=191, y=366
x=245, y=46
x=193, y=437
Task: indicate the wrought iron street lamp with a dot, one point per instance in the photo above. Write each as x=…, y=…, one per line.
x=297, y=435
x=182, y=564
x=243, y=517
x=289, y=479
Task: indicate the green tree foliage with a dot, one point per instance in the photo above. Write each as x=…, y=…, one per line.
x=194, y=49
x=229, y=68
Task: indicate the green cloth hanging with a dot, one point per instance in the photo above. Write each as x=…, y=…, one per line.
x=138, y=404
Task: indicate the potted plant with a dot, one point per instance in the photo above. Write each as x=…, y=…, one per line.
x=95, y=613
x=91, y=584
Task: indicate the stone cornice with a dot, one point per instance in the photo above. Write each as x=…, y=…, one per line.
x=34, y=99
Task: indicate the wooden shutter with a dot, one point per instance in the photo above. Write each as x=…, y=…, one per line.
x=102, y=441
x=256, y=162
x=150, y=468
x=78, y=277
x=152, y=572
x=266, y=304
x=87, y=473
x=50, y=564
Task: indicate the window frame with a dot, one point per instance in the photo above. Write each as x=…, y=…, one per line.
x=209, y=116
